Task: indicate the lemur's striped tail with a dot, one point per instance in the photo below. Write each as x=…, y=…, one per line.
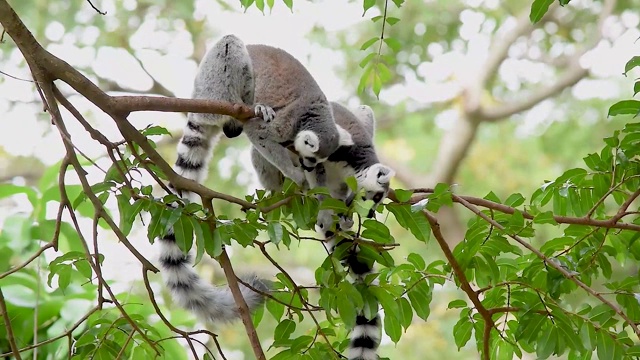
x=195, y=148
x=365, y=336
x=225, y=74
x=189, y=290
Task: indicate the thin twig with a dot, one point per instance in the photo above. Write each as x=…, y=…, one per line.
x=7, y=326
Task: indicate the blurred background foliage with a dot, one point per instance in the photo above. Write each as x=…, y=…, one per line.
x=154, y=46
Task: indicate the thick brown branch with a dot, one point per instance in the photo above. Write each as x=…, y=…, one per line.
x=8, y=328
x=232, y=282
x=243, y=309
x=464, y=282
x=609, y=223
x=526, y=102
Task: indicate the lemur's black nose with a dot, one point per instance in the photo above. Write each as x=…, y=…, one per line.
x=329, y=234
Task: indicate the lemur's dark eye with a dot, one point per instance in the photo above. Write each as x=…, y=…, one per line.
x=377, y=197
x=321, y=226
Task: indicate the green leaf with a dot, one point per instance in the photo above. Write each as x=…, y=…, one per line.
x=200, y=240
x=394, y=44
x=352, y=183
x=155, y=130
x=403, y=195
x=546, y=343
x=398, y=3
x=634, y=351
x=275, y=308
x=284, y=330
x=392, y=328
x=514, y=200
x=336, y=205
x=634, y=62
x=413, y=221
x=183, y=232
x=156, y=227
x=365, y=61
x=377, y=232
x=275, y=232
x=462, y=331
x=588, y=336
x=457, y=304
x=377, y=83
x=420, y=297
x=636, y=88
x=392, y=20
x=368, y=4
x=545, y=218
x=369, y=42
x=347, y=310
x=624, y=107
x=10, y=189
x=387, y=301
x=406, y=312
x=606, y=346
x=83, y=268
x=538, y=9
x=64, y=276
x=289, y=4
x=417, y=261
x=213, y=245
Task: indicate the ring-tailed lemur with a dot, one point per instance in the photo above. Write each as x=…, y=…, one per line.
x=224, y=74
x=356, y=156
x=273, y=80
x=359, y=159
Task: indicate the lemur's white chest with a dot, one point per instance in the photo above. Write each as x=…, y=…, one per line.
x=337, y=173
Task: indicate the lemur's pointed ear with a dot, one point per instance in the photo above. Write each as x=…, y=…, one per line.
x=306, y=143
x=383, y=173
x=365, y=114
x=345, y=137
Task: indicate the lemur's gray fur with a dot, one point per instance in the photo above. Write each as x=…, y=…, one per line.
x=267, y=78
x=303, y=119
x=225, y=74
x=357, y=159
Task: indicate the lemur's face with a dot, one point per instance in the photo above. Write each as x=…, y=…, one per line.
x=375, y=181
x=311, y=161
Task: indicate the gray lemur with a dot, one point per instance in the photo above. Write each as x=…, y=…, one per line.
x=356, y=157
x=359, y=159
x=293, y=112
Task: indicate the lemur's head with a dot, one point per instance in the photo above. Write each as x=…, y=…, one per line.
x=375, y=181
x=311, y=149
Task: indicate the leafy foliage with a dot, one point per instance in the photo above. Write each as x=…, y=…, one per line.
x=517, y=284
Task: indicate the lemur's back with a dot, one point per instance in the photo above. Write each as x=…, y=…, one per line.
x=348, y=121
x=276, y=69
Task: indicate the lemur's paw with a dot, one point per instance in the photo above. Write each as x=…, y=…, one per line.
x=345, y=222
x=265, y=112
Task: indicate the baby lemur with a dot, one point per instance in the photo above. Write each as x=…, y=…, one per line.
x=357, y=159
